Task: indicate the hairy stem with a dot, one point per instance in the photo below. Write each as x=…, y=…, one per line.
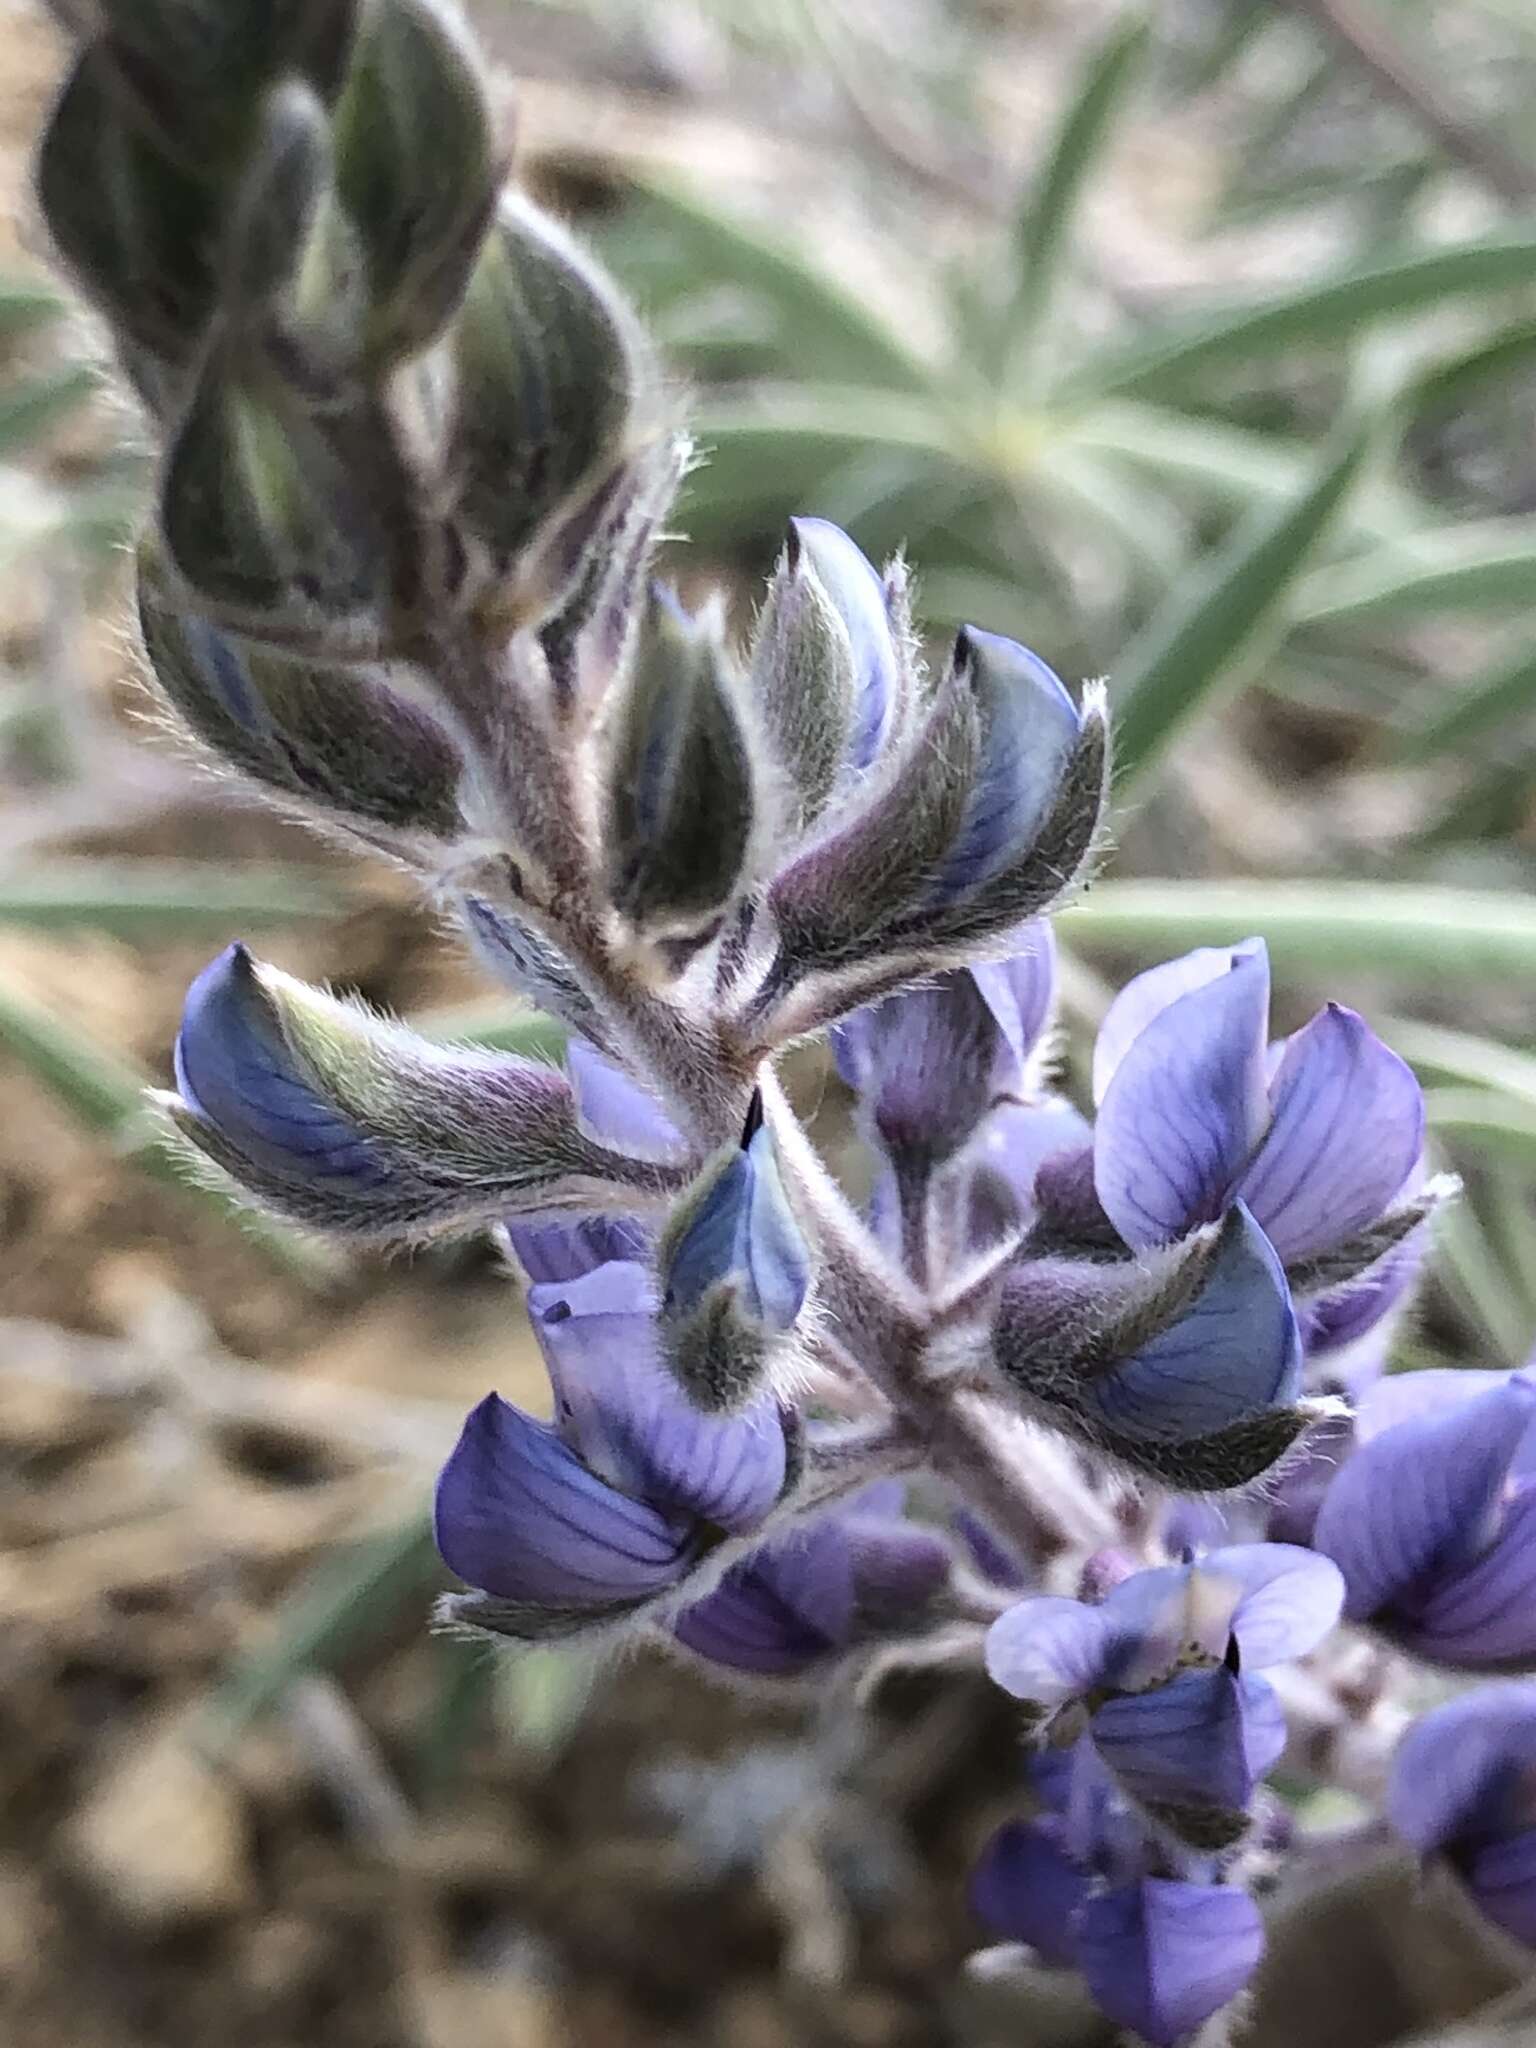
x=1010, y=1473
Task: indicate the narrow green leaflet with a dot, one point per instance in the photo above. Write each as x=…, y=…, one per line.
x=1326, y=310
x=1503, y=691
x=353, y=1595
x=1372, y=927
x=1485, y=1122
x=141, y=898
x=1050, y=211
x=1472, y=567
x=1462, y=1058
x=1217, y=625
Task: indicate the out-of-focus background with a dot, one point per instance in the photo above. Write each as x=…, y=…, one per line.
x=1197, y=346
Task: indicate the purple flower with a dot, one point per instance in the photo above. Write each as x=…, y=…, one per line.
x=614, y=1503
x=830, y=1585
x=1463, y=1791
x=1087, y=1887
x=1163, y=1668
x=1319, y=1135
x=928, y=1064
x=1433, y=1520
x=1185, y=1364
x=1027, y=1887
x=1161, y=1956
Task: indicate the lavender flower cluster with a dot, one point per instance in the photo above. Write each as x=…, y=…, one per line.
x=1101, y=1404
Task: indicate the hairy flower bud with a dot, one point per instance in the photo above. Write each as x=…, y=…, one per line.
x=416, y=168
x=138, y=228
x=337, y=736
x=340, y=1120
x=680, y=799
x=273, y=510
x=735, y=1271
x=1187, y=1367
x=827, y=669
x=796, y=1606
x=548, y=370
x=984, y=821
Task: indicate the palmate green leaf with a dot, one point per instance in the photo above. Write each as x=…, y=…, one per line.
x=139, y=898
x=829, y=333
x=1326, y=310
x=1214, y=628
x=1231, y=465
x=104, y=1093
x=1505, y=690
x=1046, y=221
x=1481, y=565
x=1361, y=927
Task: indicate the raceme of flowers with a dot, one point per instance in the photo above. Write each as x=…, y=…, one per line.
x=1094, y=1401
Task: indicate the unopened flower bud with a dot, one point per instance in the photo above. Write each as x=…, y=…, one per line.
x=416, y=168
x=735, y=1272
x=548, y=364
x=321, y=733
x=271, y=509
x=826, y=669
x=681, y=805
x=338, y=1119
x=139, y=229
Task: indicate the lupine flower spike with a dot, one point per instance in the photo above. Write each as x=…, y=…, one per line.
x=403, y=580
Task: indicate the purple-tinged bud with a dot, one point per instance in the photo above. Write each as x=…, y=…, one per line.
x=922, y=1064
x=1162, y=1956
x=873, y=615
x=984, y=822
x=1030, y=731
x=338, y=737
x=549, y=368
x=342, y=1121
x=589, y=1519
x=735, y=1269
x=1433, y=1524
x=1463, y=1794
x=681, y=804
x=1319, y=1136
x=515, y=953
x=416, y=169
x=799, y=1603
x=1187, y=1368
x=928, y=1063
x=827, y=670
